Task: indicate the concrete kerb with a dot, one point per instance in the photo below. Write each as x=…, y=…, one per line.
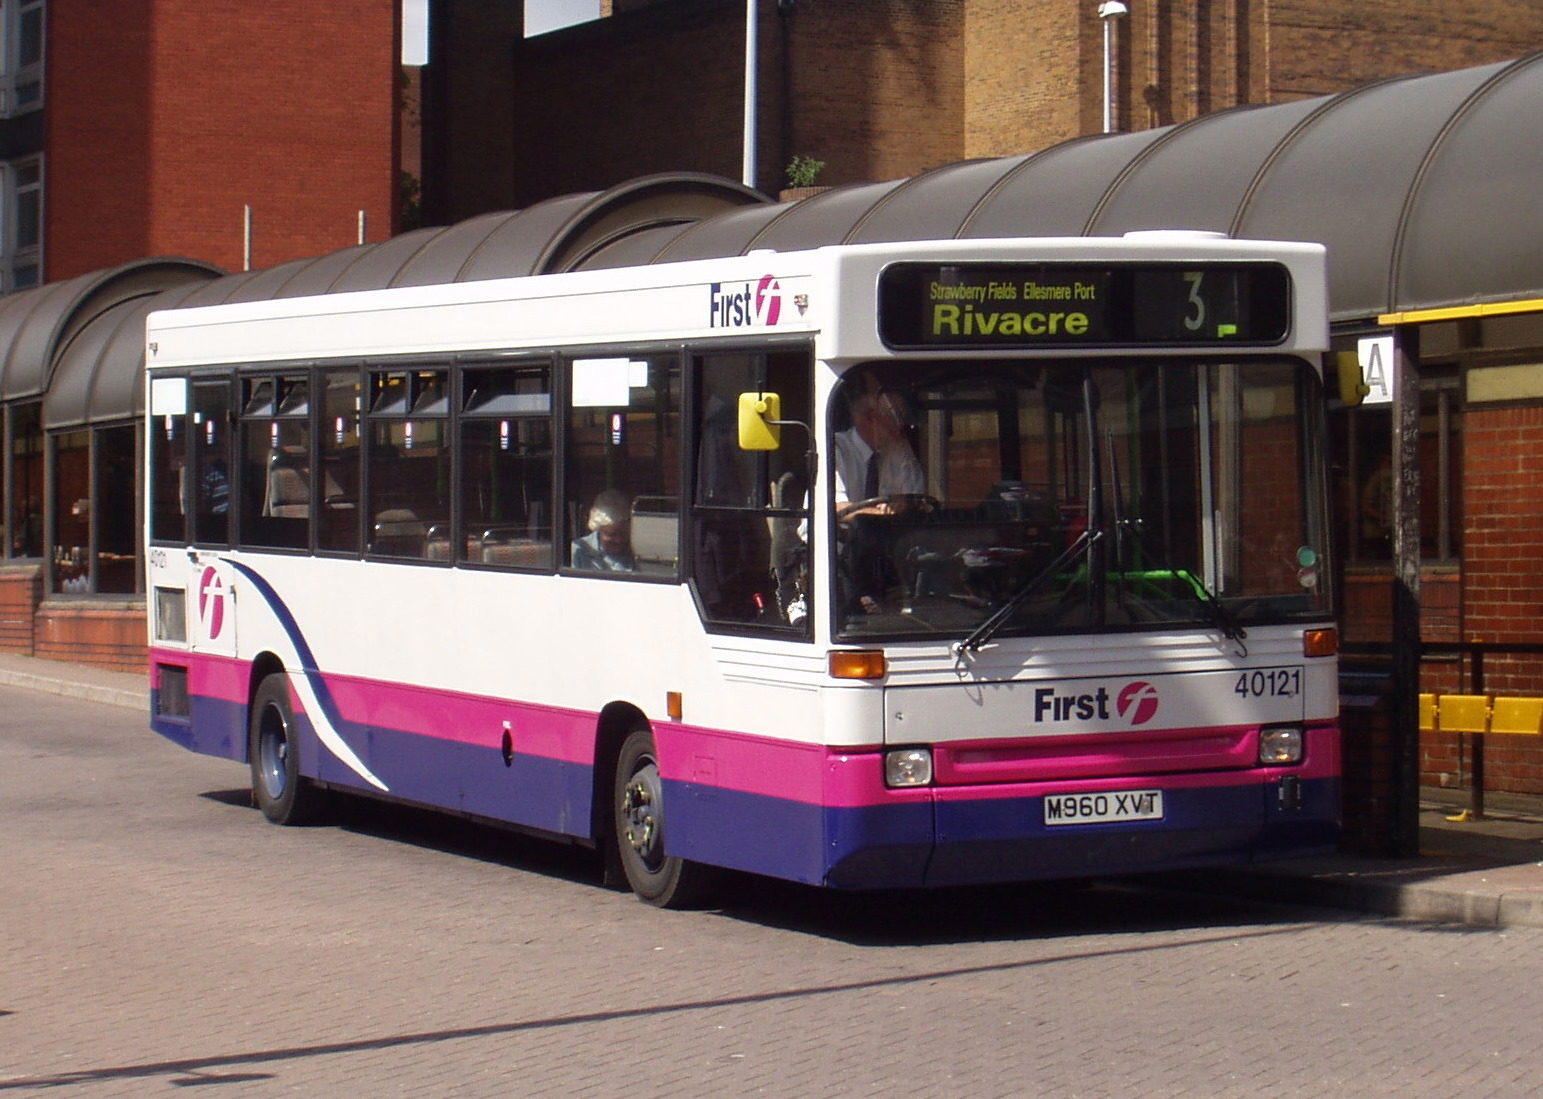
x=127, y=690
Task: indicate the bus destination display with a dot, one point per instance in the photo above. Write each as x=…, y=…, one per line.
x=1076, y=305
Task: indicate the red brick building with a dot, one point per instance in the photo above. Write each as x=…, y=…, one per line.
x=163, y=124
x=883, y=89
x=231, y=134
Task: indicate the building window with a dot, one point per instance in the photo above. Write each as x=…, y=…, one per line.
x=21, y=56
x=96, y=535
x=21, y=235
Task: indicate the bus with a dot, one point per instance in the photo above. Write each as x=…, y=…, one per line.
x=870, y=567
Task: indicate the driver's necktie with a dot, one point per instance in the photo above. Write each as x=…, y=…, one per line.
x=871, y=480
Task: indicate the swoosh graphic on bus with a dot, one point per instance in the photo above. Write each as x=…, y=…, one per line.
x=318, y=700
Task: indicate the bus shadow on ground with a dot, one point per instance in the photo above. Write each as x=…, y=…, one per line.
x=435, y=830
x=1021, y=910
x=902, y=917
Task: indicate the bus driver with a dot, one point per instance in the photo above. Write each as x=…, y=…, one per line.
x=873, y=457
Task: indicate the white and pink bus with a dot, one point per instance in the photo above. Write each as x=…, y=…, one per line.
x=870, y=566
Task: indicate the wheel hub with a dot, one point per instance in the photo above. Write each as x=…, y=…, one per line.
x=638, y=805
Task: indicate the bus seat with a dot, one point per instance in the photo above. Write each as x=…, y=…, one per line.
x=289, y=496
x=398, y=531
x=656, y=530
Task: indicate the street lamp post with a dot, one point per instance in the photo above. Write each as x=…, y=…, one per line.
x=752, y=52
x=1109, y=11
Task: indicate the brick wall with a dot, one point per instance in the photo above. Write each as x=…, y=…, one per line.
x=1035, y=67
x=106, y=633
x=164, y=119
x=1320, y=47
x=1502, y=581
x=21, y=589
x=1033, y=75
x=100, y=633
x=883, y=89
x=874, y=88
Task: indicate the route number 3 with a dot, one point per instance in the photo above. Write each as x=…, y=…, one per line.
x=1194, y=318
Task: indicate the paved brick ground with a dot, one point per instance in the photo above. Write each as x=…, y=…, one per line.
x=160, y=936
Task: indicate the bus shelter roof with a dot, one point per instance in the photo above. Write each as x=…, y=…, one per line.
x=1425, y=189
x=39, y=326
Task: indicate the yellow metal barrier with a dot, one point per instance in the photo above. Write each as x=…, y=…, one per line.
x=1517, y=716
x=1478, y=715
x=1454, y=713
x=1463, y=713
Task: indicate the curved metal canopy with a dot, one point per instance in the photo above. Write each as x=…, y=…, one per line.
x=1426, y=191
x=40, y=325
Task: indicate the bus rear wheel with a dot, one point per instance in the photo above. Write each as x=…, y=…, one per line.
x=273, y=746
x=665, y=881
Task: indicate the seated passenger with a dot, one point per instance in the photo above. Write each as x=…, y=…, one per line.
x=608, y=545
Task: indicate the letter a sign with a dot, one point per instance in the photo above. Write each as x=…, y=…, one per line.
x=1375, y=354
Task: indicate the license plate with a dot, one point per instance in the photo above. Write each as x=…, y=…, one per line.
x=1118, y=805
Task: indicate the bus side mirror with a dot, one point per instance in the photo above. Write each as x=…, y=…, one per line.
x=760, y=416
x=1352, y=387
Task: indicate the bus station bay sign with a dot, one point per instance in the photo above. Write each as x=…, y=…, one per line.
x=1375, y=356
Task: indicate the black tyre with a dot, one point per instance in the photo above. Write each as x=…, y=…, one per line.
x=283, y=794
x=638, y=808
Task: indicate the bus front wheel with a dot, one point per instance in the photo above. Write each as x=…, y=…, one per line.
x=665, y=881
x=283, y=794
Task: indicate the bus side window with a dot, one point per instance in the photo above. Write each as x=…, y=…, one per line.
x=623, y=466
x=409, y=463
x=211, y=462
x=506, y=466
x=168, y=462
x=750, y=508
x=276, y=462
x=337, y=526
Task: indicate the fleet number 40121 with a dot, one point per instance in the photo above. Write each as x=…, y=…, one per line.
x=1269, y=683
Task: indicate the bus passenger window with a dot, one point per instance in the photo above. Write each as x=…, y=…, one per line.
x=337, y=526
x=211, y=463
x=276, y=462
x=623, y=465
x=168, y=462
x=506, y=466
x=409, y=464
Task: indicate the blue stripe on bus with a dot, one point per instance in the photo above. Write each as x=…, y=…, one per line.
x=978, y=840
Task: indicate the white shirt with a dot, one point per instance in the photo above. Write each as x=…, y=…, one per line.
x=900, y=473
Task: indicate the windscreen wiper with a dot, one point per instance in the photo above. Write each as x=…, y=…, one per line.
x=1220, y=616
x=999, y=617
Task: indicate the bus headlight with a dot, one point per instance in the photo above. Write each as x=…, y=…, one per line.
x=908, y=767
x=1280, y=744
